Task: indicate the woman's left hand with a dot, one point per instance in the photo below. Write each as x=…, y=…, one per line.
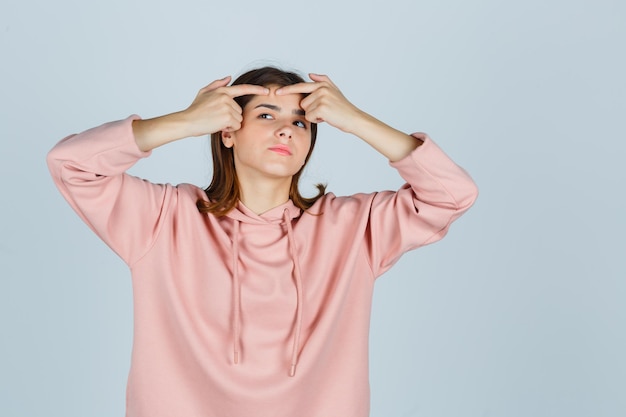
x=325, y=103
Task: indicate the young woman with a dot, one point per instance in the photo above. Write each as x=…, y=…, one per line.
x=250, y=299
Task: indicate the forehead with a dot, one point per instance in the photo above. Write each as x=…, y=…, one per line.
x=286, y=102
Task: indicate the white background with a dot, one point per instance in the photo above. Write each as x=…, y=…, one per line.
x=520, y=311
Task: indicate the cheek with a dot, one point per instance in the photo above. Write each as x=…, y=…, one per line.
x=306, y=147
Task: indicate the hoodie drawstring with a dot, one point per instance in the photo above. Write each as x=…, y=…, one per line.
x=298, y=277
x=237, y=295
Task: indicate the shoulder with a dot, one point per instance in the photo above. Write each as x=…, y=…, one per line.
x=331, y=204
x=189, y=194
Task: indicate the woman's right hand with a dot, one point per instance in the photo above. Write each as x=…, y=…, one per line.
x=214, y=109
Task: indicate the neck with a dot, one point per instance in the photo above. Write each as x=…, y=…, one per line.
x=264, y=195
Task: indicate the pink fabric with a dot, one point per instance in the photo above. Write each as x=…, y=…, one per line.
x=187, y=321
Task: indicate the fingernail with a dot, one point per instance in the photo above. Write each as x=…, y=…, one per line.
x=278, y=91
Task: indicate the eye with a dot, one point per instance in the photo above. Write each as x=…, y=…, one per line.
x=265, y=116
x=300, y=123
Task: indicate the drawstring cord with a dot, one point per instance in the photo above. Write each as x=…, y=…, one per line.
x=236, y=295
x=298, y=276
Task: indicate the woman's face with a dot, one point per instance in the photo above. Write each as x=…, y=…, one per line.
x=274, y=138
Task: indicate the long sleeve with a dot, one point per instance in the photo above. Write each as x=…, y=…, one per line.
x=89, y=170
x=437, y=192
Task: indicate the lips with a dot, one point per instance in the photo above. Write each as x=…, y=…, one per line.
x=281, y=149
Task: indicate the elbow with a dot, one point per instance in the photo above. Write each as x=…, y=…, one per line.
x=53, y=162
x=56, y=157
x=56, y=162
x=464, y=194
x=471, y=194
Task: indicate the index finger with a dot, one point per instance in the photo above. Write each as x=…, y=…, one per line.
x=300, y=88
x=247, y=89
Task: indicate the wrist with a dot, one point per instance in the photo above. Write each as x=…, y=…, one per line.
x=152, y=133
x=362, y=124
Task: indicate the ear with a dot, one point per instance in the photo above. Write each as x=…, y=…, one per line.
x=227, y=139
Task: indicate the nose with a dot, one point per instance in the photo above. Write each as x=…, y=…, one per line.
x=285, y=132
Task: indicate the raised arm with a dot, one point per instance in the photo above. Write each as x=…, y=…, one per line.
x=437, y=191
x=90, y=168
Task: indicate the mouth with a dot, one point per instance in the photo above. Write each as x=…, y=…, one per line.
x=281, y=150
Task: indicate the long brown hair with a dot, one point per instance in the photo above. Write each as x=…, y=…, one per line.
x=223, y=192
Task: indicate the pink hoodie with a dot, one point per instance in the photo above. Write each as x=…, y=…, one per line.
x=248, y=315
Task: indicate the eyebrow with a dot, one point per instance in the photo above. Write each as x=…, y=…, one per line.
x=299, y=112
